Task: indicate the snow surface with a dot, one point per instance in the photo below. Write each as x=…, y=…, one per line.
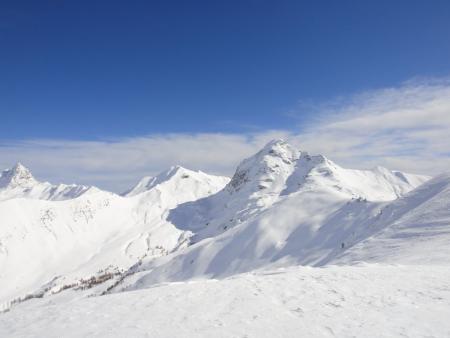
x=363, y=301
x=412, y=230
x=292, y=245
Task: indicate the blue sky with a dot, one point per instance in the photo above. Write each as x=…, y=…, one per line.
x=104, y=92
x=104, y=69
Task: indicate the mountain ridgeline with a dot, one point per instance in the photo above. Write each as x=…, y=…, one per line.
x=282, y=207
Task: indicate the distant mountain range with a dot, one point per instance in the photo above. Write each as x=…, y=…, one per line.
x=18, y=182
x=282, y=207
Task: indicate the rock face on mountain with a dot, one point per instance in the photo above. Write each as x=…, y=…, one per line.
x=18, y=182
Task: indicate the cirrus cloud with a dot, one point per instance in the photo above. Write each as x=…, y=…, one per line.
x=405, y=128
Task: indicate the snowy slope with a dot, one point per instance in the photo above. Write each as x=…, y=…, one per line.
x=307, y=227
x=282, y=207
x=18, y=182
x=91, y=234
x=414, y=229
x=327, y=229
x=277, y=172
x=369, y=301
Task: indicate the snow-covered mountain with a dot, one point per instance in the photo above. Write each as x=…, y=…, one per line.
x=246, y=249
x=18, y=182
x=282, y=207
x=279, y=173
x=178, y=176
x=317, y=228
x=61, y=242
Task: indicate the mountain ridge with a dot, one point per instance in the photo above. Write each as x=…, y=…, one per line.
x=282, y=207
x=19, y=182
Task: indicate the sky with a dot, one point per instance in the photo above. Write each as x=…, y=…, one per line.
x=105, y=92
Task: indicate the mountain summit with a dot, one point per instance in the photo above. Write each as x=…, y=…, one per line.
x=19, y=182
x=280, y=169
x=267, y=169
x=17, y=176
x=178, y=177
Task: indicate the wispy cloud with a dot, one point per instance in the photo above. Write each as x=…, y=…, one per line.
x=405, y=128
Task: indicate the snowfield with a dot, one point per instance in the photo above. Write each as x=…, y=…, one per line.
x=293, y=245
x=362, y=301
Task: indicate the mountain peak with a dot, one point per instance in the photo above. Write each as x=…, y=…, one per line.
x=19, y=175
x=175, y=175
x=276, y=146
x=275, y=143
x=274, y=162
x=173, y=170
x=20, y=168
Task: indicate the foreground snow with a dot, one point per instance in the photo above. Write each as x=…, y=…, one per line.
x=362, y=301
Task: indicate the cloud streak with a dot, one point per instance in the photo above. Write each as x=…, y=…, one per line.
x=405, y=128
